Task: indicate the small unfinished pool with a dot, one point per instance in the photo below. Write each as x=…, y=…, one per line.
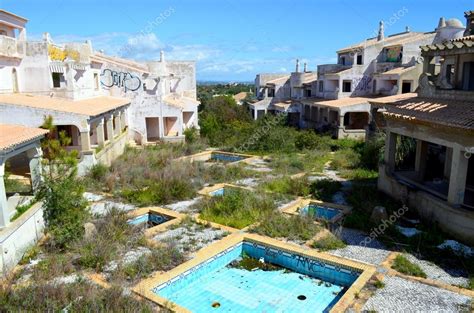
x=149, y=220
x=220, y=190
x=320, y=211
x=280, y=280
x=153, y=219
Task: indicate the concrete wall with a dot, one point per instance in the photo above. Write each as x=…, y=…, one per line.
x=19, y=236
x=457, y=222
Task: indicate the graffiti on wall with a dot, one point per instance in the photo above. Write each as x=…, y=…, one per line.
x=124, y=80
x=363, y=84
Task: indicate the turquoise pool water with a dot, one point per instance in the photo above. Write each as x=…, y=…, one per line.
x=227, y=158
x=307, y=286
x=320, y=212
x=150, y=219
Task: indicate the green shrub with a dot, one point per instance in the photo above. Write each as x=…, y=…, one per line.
x=191, y=134
x=308, y=139
x=329, y=242
x=294, y=227
x=345, y=159
x=21, y=209
x=236, y=208
x=403, y=265
x=324, y=189
x=288, y=186
x=98, y=171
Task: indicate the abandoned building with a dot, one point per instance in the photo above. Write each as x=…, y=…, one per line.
x=429, y=150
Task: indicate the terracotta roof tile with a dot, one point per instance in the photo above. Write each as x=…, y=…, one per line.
x=89, y=107
x=451, y=113
x=14, y=135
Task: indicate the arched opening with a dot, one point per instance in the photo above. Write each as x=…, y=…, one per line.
x=15, y=80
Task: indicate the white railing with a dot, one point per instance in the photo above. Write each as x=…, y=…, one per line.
x=8, y=46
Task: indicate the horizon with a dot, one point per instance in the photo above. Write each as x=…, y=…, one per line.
x=231, y=42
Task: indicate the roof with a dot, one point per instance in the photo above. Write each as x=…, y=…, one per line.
x=240, y=96
x=89, y=107
x=278, y=81
x=339, y=103
x=13, y=15
x=15, y=135
x=397, y=70
x=283, y=104
x=180, y=102
x=450, y=113
x=466, y=41
x=393, y=40
x=132, y=65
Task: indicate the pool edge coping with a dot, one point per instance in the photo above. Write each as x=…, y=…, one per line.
x=144, y=287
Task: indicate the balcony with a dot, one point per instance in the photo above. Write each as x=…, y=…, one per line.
x=10, y=47
x=331, y=68
x=382, y=67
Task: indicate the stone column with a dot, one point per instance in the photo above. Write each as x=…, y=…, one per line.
x=85, y=141
x=110, y=127
x=341, y=120
x=118, y=126
x=100, y=133
x=458, y=176
x=420, y=158
x=35, y=156
x=390, y=149
x=447, y=162
x=4, y=216
x=123, y=120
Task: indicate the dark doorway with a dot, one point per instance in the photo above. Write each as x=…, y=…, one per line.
x=406, y=87
x=468, y=76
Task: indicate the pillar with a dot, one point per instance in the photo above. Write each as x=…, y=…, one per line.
x=35, y=155
x=390, y=149
x=341, y=120
x=109, y=124
x=100, y=133
x=420, y=158
x=447, y=162
x=4, y=216
x=118, y=124
x=123, y=120
x=85, y=140
x=458, y=176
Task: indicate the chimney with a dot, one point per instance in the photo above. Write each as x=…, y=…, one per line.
x=297, y=65
x=381, y=35
x=469, y=23
x=47, y=37
x=442, y=23
x=305, y=67
x=162, y=56
x=407, y=29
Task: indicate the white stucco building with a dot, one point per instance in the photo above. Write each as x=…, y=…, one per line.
x=101, y=102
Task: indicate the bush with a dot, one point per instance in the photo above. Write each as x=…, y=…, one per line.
x=329, y=242
x=324, y=189
x=288, y=186
x=345, y=159
x=403, y=265
x=191, y=134
x=236, y=208
x=294, y=227
x=98, y=171
x=20, y=210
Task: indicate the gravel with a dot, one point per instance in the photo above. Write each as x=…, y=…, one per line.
x=129, y=257
x=434, y=272
x=183, y=206
x=190, y=238
x=102, y=207
x=373, y=253
x=248, y=182
x=401, y=295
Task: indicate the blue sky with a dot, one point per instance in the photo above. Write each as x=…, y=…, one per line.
x=230, y=40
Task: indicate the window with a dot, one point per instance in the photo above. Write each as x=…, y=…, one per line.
x=406, y=87
x=359, y=59
x=271, y=92
x=307, y=93
x=346, y=86
x=3, y=32
x=321, y=86
x=96, y=81
x=343, y=60
x=468, y=76
x=58, y=78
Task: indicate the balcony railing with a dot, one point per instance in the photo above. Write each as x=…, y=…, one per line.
x=331, y=68
x=9, y=47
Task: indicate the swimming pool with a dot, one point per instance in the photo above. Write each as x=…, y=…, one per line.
x=303, y=284
x=320, y=212
x=226, y=157
x=149, y=219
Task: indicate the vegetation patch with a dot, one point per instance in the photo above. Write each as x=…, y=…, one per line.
x=324, y=189
x=294, y=227
x=236, y=208
x=403, y=265
x=288, y=186
x=251, y=264
x=328, y=242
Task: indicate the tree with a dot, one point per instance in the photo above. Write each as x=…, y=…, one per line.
x=64, y=207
